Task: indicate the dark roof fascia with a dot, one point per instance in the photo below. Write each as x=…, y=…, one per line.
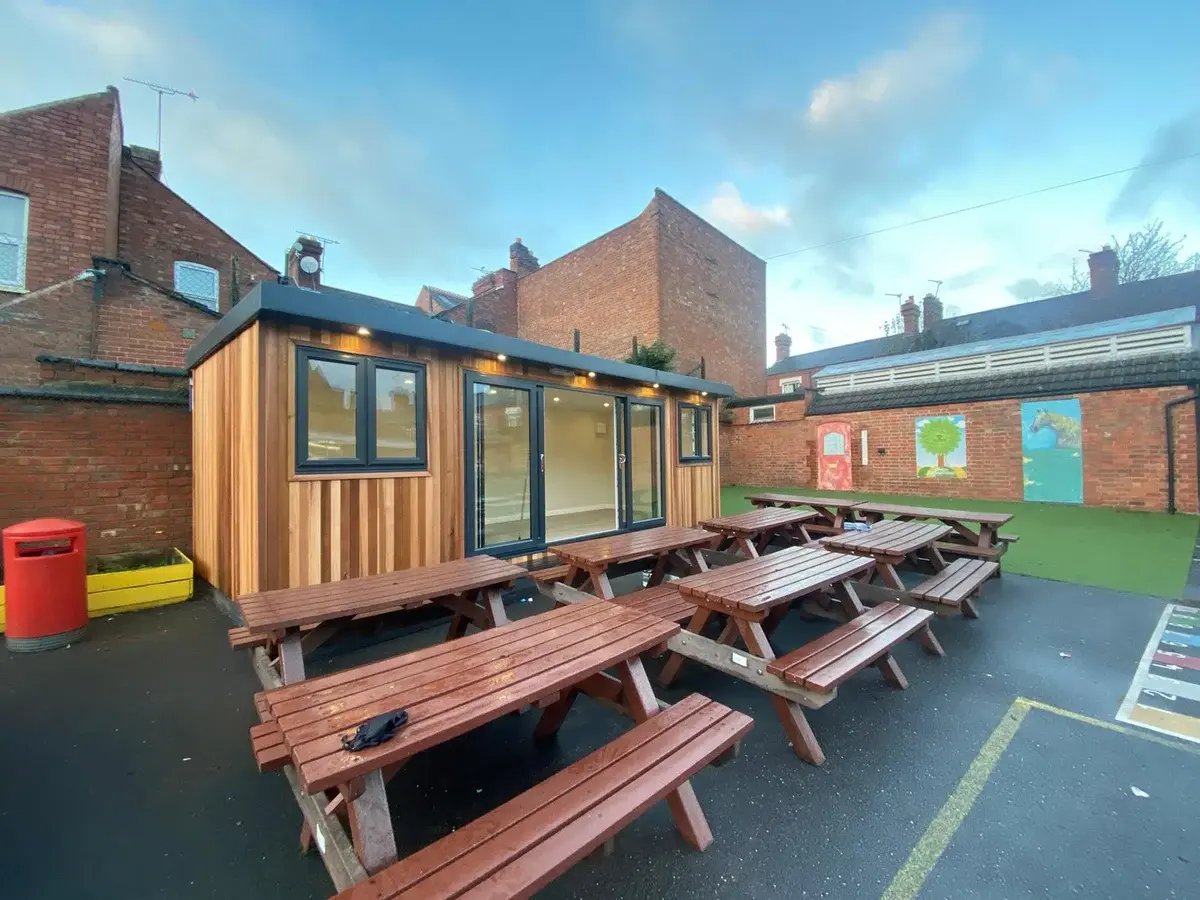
x=270, y=299
x=1174, y=370
x=765, y=400
x=139, y=368
x=107, y=393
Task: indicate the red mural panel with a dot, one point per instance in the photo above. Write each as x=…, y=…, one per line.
x=834, y=471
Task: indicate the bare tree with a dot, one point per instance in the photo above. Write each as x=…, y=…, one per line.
x=1148, y=253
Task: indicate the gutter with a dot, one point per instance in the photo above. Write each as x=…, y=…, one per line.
x=1168, y=408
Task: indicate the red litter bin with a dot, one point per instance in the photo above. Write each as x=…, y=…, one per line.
x=45, y=584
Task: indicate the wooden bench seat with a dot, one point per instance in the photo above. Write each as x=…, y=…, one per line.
x=866, y=640
x=548, y=576
x=955, y=586
x=241, y=637
x=1008, y=538
x=267, y=743
x=663, y=601
x=525, y=844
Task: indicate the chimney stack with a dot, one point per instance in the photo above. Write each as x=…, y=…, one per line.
x=1103, y=268
x=304, y=247
x=493, y=281
x=520, y=260
x=783, y=346
x=146, y=159
x=931, y=312
x=909, y=314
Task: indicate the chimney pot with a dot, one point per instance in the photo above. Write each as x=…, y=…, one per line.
x=783, y=346
x=931, y=312
x=1104, y=271
x=909, y=314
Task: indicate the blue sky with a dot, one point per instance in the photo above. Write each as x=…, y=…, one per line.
x=426, y=136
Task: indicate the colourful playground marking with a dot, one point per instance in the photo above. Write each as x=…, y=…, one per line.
x=1165, y=693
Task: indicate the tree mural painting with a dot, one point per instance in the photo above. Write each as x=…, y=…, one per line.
x=942, y=447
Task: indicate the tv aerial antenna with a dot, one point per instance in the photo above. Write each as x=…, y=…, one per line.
x=897, y=296
x=161, y=90
x=324, y=241
x=937, y=283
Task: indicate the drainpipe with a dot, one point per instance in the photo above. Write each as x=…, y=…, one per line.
x=1170, y=423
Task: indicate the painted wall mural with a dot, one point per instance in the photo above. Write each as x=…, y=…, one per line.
x=1052, y=450
x=834, y=471
x=941, y=447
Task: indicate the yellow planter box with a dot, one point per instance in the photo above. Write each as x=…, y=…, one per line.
x=133, y=589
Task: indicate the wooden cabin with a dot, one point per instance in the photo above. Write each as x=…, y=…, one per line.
x=337, y=435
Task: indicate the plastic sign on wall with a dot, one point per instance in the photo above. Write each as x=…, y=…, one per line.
x=941, y=446
x=834, y=446
x=1052, y=450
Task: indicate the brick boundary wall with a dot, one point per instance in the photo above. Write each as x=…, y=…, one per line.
x=123, y=469
x=1124, y=459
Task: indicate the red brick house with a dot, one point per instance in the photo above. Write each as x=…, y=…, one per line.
x=107, y=276
x=666, y=274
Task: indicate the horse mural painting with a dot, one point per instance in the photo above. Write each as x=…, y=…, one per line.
x=1052, y=450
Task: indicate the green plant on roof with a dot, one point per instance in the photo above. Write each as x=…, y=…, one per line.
x=656, y=355
x=939, y=437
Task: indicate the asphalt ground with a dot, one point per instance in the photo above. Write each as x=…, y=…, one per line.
x=998, y=773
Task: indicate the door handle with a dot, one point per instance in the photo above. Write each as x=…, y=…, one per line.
x=542, y=463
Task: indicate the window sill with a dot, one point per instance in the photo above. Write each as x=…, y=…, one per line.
x=358, y=476
x=11, y=289
x=695, y=462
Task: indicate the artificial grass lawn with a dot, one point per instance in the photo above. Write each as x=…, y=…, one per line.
x=1138, y=552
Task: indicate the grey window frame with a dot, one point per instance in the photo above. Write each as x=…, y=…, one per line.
x=365, y=426
x=697, y=421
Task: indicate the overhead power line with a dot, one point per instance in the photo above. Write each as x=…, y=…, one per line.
x=1009, y=199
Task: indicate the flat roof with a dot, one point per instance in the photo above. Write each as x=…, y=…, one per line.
x=271, y=300
x=1145, y=322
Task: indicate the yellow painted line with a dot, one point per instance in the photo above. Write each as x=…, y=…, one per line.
x=1165, y=720
x=933, y=843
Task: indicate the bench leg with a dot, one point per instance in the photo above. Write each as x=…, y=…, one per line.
x=791, y=716
x=553, y=716
x=890, y=670
x=642, y=704
x=745, y=546
x=371, y=824
x=968, y=608
x=929, y=642
x=670, y=670
x=458, y=626
x=659, y=572
x=493, y=607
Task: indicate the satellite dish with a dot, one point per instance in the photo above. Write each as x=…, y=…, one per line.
x=297, y=247
x=309, y=264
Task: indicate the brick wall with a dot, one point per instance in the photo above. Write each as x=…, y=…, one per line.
x=141, y=325
x=58, y=322
x=159, y=228
x=714, y=299
x=493, y=305
x=608, y=289
x=123, y=469
x=1124, y=460
x=60, y=157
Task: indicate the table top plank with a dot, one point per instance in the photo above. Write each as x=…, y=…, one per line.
x=890, y=537
x=770, y=580
x=558, y=648
x=755, y=521
x=946, y=515
x=632, y=545
x=780, y=499
x=270, y=611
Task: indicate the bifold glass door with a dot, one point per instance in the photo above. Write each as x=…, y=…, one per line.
x=548, y=464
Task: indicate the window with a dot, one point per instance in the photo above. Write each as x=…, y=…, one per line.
x=791, y=386
x=358, y=412
x=762, y=414
x=695, y=433
x=197, y=282
x=14, y=238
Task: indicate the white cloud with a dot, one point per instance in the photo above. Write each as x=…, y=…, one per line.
x=117, y=39
x=938, y=53
x=727, y=209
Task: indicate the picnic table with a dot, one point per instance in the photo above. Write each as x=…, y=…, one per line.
x=452, y=688
x=753, y=531
x=890, y=543
x=833, y=511
x=984, y=539
x=588, y=561
x=301, y=619
x=756, y=594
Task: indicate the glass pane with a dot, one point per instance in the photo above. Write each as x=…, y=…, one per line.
x=12, y=216
x=395, y=414
x=704, y=432
x=687, y=431
x=645, y=466
x=503, y=508
x=332, y=409
x=581, y=464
